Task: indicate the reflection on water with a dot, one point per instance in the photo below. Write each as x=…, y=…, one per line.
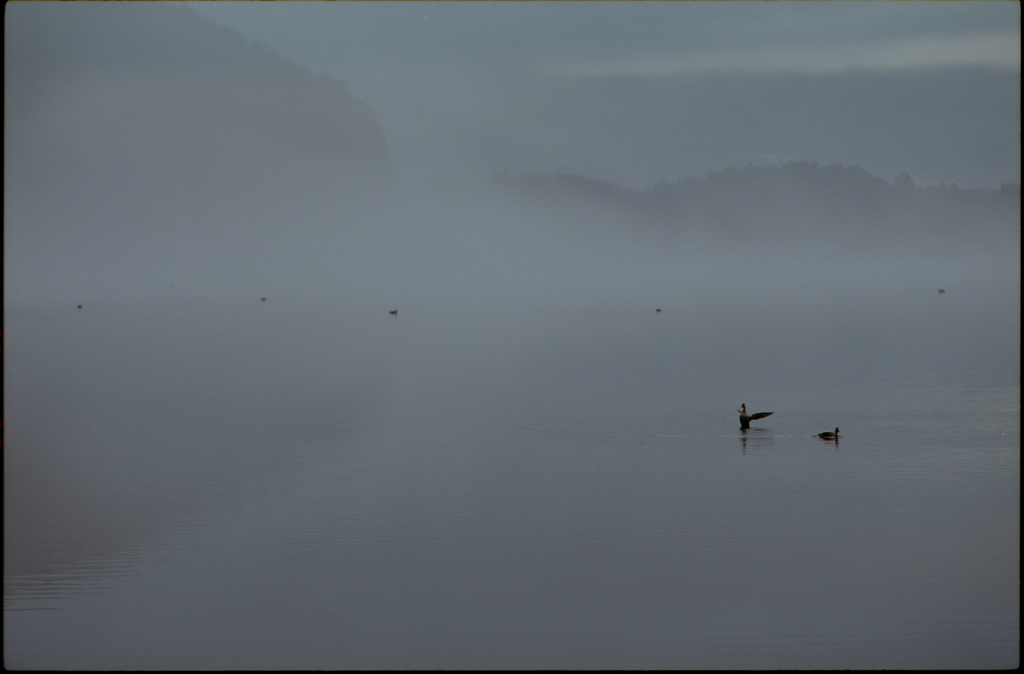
x=760, y=438
x=307, y=486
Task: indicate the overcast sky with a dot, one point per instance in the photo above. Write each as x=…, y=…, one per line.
x=640, y=92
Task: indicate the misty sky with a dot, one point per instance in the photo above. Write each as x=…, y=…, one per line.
x=639, y=92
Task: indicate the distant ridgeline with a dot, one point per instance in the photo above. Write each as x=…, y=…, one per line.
x=797, y=200
x=149, y=94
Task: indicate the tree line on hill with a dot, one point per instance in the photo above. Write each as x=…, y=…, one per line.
x=796, y=199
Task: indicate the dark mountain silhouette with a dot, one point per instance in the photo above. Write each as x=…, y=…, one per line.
x=150, y=96
x=799, y=200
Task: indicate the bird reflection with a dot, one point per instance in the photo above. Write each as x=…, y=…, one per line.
x=761, y=439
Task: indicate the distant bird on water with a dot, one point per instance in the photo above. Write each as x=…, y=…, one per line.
x=942, y=290
x=393, y=312
x=829, y=435
x=745, y=419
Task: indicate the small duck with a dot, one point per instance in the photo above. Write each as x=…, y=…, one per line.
x=829, y=435
x=393, y=312
x=745, y=419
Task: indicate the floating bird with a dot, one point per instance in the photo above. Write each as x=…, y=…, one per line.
x=745, y=419
x=393, y=312
x=829, y=435
x=263, y=299
x=942, y=290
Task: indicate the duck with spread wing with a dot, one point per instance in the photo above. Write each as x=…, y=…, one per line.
x=745, y=418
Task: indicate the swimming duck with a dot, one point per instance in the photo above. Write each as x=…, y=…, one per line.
x=829, y=435
x=745, y=419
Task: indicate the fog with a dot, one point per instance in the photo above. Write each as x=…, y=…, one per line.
x=424, y=247
x=363, y=334
x=189, y=162
x=639, y=93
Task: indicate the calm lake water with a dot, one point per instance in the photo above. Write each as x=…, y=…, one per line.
x=300, y=484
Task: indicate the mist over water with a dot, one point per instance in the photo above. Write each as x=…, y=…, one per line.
x=534, y=462
x=528, y=465
x=475, y=246
x=284, y=410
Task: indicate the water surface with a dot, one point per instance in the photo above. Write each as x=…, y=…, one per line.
x=301, y=484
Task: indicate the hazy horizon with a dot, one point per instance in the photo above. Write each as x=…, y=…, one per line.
x=151, y=154
x=644, y=92
x=390, y=335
